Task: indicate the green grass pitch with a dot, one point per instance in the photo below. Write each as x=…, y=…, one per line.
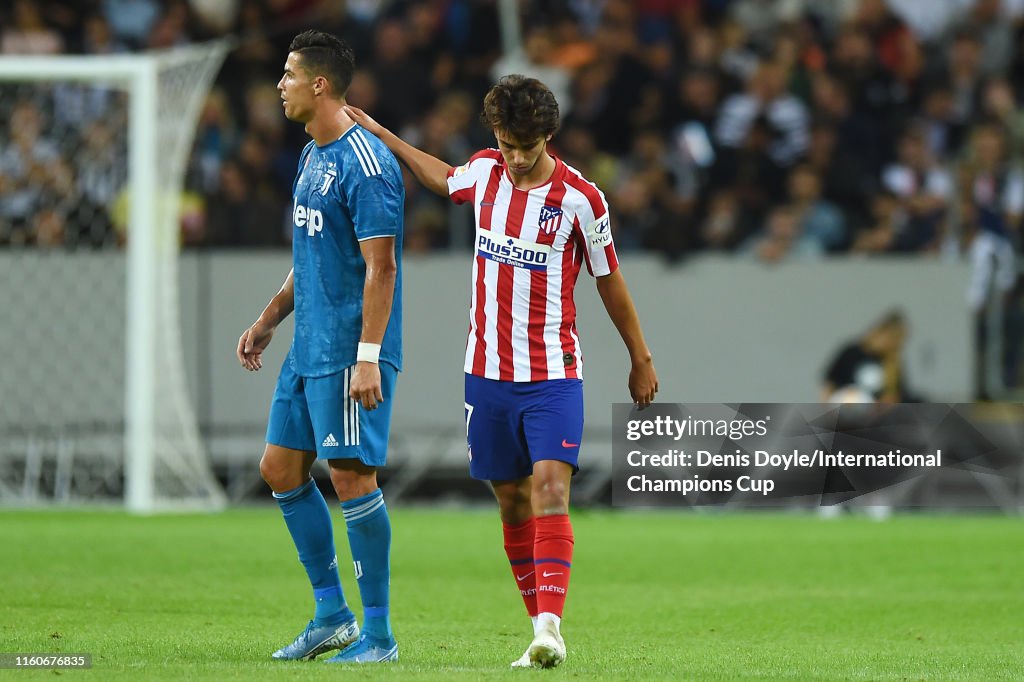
x=653, y=596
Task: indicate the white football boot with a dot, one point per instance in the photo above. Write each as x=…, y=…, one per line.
x=548, y=648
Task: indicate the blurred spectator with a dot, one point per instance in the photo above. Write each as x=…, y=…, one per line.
x=256, y=55
x=171, y=29
x=964, y=74
x=995, y=34
x=698, y=117
x=426, y=228
x=929, y=20
x=875, y=96
x=784, y=116
x=759, y=19
x=818, y=219
x=535, y=60
x=406, y=81
x=256, y=156
x=101, y=165
x=50, y=229
x=845, y=182
x=924, y=189
x=888, y=221
x=216, y=138
x=28, y=34
x=720, y=229
x=591, y=94
x=885, y=30
x=215, y=16
x=427, y=45
x=25, y=163
x=752, y=178
x=97, y=37
x=238, y=215
x=781, y=239
x=999, y=104
x=579, y=150
x=84, y=221
x=695, y=101
x=858, y=136
x=132, y=20
x=571, y=49
x=655, y=198
x=992, y=204
x=939, y=122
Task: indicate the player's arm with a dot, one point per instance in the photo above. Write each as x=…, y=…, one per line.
x=256, y=338
x=378, y=294
x=429, y=170
x=643, y=380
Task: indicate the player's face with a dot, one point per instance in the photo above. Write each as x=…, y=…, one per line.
x=297, y=90
x=521, y=156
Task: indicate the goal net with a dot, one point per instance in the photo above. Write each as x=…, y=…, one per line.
x=94, y=403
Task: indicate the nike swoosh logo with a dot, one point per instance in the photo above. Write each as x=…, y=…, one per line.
x=567, y=444
x=548, y=575
x=524, y=577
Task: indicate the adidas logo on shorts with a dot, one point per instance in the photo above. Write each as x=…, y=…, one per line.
x=330, y=441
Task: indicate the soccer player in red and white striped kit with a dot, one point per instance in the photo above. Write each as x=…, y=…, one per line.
x=538, y=221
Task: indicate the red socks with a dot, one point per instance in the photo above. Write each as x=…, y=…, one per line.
x=540, y=553
x=519, y=541
x=552, y=559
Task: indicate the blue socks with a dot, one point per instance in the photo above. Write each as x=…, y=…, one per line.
x=369, y=537
x=309, y=522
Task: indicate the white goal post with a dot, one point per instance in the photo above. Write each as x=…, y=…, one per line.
x=164, y=463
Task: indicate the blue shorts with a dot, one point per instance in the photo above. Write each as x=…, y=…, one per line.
x=510, y=425
x=316, y=415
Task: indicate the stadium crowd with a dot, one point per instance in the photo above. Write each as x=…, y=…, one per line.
x=773, y=129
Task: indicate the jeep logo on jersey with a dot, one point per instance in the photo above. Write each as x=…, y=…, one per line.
x=511, y=251
x=550, y=217
x=310, y=218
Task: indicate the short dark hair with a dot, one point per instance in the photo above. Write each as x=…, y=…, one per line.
x=522, y=107
x=326, y=55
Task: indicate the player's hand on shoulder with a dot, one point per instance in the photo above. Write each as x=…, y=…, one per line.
x=643, y=382
x=251, y=345
x=363, y=119
x=365, y=387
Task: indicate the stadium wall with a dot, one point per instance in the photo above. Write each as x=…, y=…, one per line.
x=721, y=330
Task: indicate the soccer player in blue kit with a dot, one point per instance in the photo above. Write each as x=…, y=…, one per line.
x=334, y=393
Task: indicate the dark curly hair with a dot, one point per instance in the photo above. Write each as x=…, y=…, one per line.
x=521, y=107
x=326, y=55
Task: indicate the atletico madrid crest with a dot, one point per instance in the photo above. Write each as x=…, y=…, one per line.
x=550, y=216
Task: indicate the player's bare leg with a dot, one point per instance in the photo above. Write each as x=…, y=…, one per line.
x=305, y=512
x=285, y=469
x=369, y=537
x=549, y=496
x=351, y=478
x=516, y=511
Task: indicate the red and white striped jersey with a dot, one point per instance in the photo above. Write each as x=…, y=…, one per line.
x=529, y=248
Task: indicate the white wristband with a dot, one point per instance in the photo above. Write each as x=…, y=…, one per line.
x=368, y=352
